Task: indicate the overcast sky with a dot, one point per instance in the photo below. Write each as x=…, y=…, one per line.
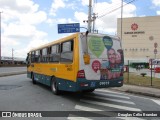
x=30, y=23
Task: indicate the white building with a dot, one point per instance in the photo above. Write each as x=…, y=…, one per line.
x=140, y=37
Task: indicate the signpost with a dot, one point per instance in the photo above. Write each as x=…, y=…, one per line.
x=155, y=48
x=155, y=45
x=155, y=52
x=69, y=28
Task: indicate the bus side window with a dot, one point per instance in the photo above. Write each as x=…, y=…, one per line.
x=32, y=57
x=37, y=56
x=67, y=51
x=55, y=53
x=44, y=55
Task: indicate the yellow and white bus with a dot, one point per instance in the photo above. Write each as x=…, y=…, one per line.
x=79, y=62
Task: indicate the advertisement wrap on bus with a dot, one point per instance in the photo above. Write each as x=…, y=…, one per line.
x=79, y=62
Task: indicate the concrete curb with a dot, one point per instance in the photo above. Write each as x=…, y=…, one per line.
x=13, y=73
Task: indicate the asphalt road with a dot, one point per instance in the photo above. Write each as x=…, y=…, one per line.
x=17, y=93
x=12, y=69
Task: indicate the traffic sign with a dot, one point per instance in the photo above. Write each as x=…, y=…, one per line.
x=155, y=45
x=69, y=28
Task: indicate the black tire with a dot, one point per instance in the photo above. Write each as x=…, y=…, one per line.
x=33, y=80
x=54, y=86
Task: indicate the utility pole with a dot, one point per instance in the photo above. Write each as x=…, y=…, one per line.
x=121, y=17
x=0, y=38
x=89, y=15
x=94, y=18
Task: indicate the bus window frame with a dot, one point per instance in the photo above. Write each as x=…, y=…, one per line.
x=28, y=59
x=32, y=56
x=72, y=44
x=44, y=57
x=56, y=53
x=37, y=56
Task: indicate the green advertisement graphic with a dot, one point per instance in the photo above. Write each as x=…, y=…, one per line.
x=96, y=46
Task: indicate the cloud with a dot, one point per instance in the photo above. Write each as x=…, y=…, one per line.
x=33, y=18
x=158, y=12
x=81, y=16
x=156, y=2
x=20, y=20
x=85, y=2
x=55, y=6
x=19, y=5
x=107, y=17
x=56, y=21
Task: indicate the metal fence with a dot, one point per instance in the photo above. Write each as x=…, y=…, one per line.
x=138, y=73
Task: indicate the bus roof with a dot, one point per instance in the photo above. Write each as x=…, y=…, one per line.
x=54, y=42
x=69, y=37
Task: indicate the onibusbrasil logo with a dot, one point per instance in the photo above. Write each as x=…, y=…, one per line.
x=134, y=26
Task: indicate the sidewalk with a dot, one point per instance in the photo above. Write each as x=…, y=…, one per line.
x=147, y=91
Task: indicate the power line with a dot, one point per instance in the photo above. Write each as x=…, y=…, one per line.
x=115, y=9
x=113, y=6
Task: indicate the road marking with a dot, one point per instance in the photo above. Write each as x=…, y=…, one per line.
x=74, y=117
x=112, y=95
x=80, y=107
x=110, y=105
x=108, y=91
x=128, y=94
x=94, y=110
x=111, y=99
x=84, y=108
x=156, y=101
x=130, y=118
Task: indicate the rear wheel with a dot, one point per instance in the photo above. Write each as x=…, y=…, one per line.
x=54, y=86
x=33, y=80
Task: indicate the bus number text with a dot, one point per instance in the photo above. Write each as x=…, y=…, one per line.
x=104, y=83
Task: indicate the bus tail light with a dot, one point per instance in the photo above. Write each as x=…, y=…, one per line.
x=81, y=74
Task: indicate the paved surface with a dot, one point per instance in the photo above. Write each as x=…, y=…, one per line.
x=12, y=69
x=148, y=91
x=8, y=71
x=19, y=93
